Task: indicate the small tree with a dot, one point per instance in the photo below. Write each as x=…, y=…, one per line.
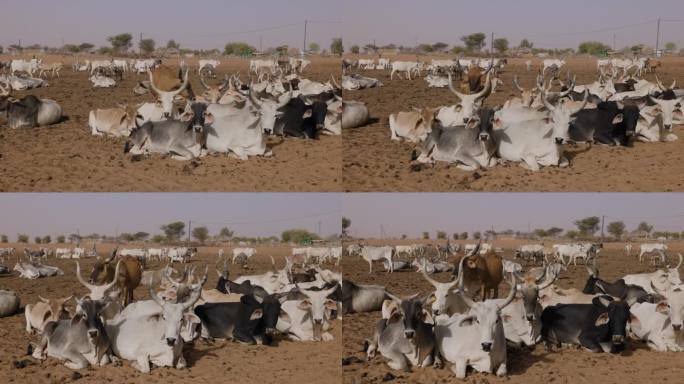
x=593, y=48
x=439, y=46
x=174, y=231
x=457, y=50
x=571, y=234
x=147, y=46
x=238, y=49
x=670, y=46
x=477, y=235
x=501, y=45
x=617, y=229
x=346, y=223
x=355, y=49
x=298, y=236
x=158, y=239
x=524, y=43
x=427, y=48
x=47, y=239
x=2, y=50
x=4, y=239
x=464, y=236
x=426, y=235
x=60, y=239
x=645, y=227
x=37, y=239
x=474, y=41
x=540, y=232
x=171, y=44
x=22, y=238
x=141, y=236
x=226, y=234
x=86, y=47
x=336, y=47
x=201, y=234
x=588, y=225
x=403, y=237
x=455, y=236
x=441, y=235
x=121, y=42
x=314, y=47
x=554, y=231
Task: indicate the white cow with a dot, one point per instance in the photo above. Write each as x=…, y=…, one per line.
x=403, y=66
x=309, y=317
x=371, y=254
x=25, y=66
x=648, y=248
x=203, y=63
x=654, y=326
x=101, y=81
x=248, y=252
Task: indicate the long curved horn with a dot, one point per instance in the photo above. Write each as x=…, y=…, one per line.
x=548, y=105
x=466, y=299
x=515, y=82
x=660, y=85
x=225, y=83
x=548, y=282
x=116, y=278
x=152, y=86
x=273, y=264
x=584, y=103
x=487, y=89
x=674, y=83
x=255, y=100
x=430, y=280
x=184, y=85
x=203, y=83
x=80, y=279
x=334, y=81
x=510, y=297
x=656, y=290
x=155, y=297
x=680, y=261
x=286, y=100
x=454, y=91
x=541, y=278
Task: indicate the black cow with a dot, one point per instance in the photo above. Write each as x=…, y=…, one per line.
x=252, y=319
x=301, y=120
x=224, y=285
x=592, y=326
x=629, y=293
x=607, y=124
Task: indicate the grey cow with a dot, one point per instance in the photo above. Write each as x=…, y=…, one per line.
x=81, y=340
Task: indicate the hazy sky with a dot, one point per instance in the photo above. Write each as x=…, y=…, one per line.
x=248, y=214
x=411, y=214
x=194, y=24
x=547, y=23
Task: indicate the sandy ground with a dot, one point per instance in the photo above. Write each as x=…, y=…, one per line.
x=221, y=362
x=636, y=365
x=372, y=162
x=65, y=157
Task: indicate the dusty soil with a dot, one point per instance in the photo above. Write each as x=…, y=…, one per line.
x=220, y=362
x=65, y=157
x=636, y=365
x=372, y=162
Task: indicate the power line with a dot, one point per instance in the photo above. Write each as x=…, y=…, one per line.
x=269, y=221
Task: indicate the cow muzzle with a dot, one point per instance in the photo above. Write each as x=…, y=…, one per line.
x=677, y=327
x=170, y=341
x=530, y=317
x=270, y=331
x=618, y=339
x=668, y=127
x=166, y=115
x=486, y=347
x=93, y=333
x=409, y=333
x=484, y=137
x=559, y=140
x=268, y=131
x=320, y=126
x=198, y=128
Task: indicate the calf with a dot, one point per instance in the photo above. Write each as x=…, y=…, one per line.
x=610, y=123
x=619, y=290
x=371, y=254
x=30, y=111
x=358, y=298
x=44, y=311
x=309, y=318
x=128, y=278
x=9, y=303
x=115, y=122
x=412, y=126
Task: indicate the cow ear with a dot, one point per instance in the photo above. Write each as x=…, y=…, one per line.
x=208, y=118
x=256, y=315
x=187, y=116
x=617, y=119
x=307, y=113
x=663, y=308
x=427, y=317
x=506, y=318
x=634, y=321
x=304, y=305
x=46, y=316
x=76, y=319
x=466, y=321
x=330, y=304
x=548, y=120
x=124, y=116
x=284, y=317
x=603, y=319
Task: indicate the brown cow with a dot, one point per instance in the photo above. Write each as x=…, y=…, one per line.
x=481, y=274
x=129, y=276
x=412, y=126
x=38, y=314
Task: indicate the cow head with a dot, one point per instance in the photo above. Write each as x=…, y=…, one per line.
x=411, y=312
x=560, y=116
x=529, y=288
x=197, y=117
x=615, y=317
x=487, y=314
x=99, y=292
x=57, y=309
x=440, y=297
x=673, y=306
x=668, y=110
x=268, y=110
x=212, y=94
x=88, y=312
x=471, y=103
x=165, y=99
x=526, y=96
x=319, y=306
x=174, y=316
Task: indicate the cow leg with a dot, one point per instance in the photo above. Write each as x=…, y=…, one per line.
x=142, y=364
x=370, y=266
x=502, y=370
x=27, y=314
x=397, y=360
x=75, y=360
x=181, y=153
x=563, y=161
x=530, y=162
x=459, y=368
x=590, y=343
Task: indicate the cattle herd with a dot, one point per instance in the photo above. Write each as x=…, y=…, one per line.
x=618, y=108
x=465, y=323
x=232, y=116
x=148, y=306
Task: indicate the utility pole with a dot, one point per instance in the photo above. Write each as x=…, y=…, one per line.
x=260, y=41
x=306, y=22
x=603, y=218
x=382, y=232
x=613, y=42
x=491, y=45
x=319, y=228
x=189, y=231
x=140, y=45
x=657, y=37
